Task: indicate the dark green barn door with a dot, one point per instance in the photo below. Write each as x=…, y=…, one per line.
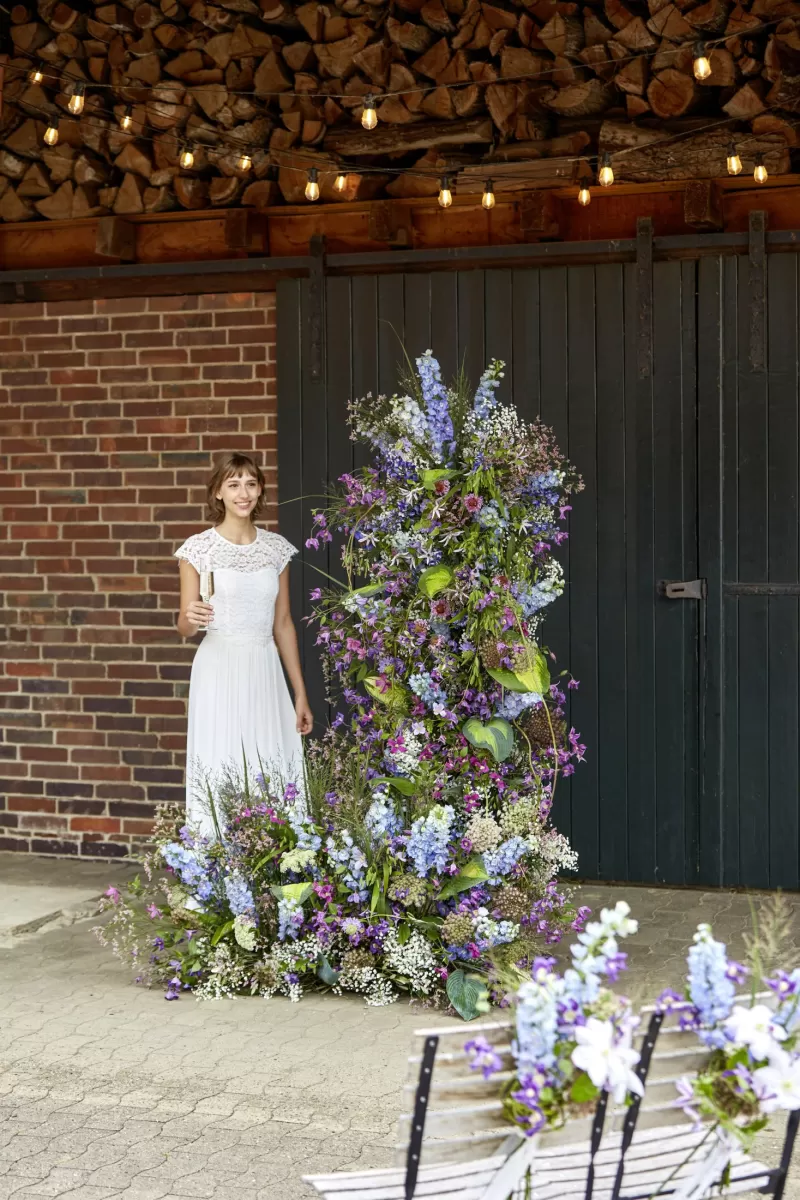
x=569, y=337
x=749, y=533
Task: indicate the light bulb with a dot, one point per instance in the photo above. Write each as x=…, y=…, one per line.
x=734, y=162
x=488, y=195
x=187, y=158
x=126, y=120
x=605, y=176
x=36, y=75
x=75, y=104
x=340, y=183
x=584, y=196
x=312, y=187
x=701, y=66
x=369, y=117
x=245, y=162
x=51, y=134
x=760, y=173
x=445, y=195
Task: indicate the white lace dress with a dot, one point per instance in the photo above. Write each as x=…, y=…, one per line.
x=239, y=701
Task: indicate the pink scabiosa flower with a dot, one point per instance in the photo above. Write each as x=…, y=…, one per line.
x=441, y=487
x=473, y=503
x=440, y=609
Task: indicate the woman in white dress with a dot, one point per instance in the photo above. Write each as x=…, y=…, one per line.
x=239, y=704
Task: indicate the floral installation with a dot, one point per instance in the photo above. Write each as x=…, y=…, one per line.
x=416, y=855
x=573, y=1034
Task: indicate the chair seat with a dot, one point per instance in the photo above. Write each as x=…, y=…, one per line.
x=658, y=1158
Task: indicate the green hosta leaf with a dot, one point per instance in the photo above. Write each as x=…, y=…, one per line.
x=435, y=580
x=470, y=875
x=406, y=787
x=298, y=892
x=369, y=589
x=221, y=932
x=394, y=694
x=583, y=1090
x=326, y=972
x=431, y=477
x=508, y=679
x=538, y=678
x=468, y=994
x=497, y=737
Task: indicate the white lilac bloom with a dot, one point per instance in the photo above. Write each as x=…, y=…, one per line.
x=778, y=1085
x=608, y=1063
x=756, y=1029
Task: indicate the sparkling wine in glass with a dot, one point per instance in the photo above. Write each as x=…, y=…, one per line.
x=206, y=584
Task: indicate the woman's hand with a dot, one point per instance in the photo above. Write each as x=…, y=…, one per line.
x=305, y=719
x=199, y=614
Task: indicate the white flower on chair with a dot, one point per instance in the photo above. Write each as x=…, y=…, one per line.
x=778, y=1085
x=755, y=1028
x=608, y=1065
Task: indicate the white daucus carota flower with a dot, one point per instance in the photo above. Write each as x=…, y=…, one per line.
x=297, y=859
x=608, y=1065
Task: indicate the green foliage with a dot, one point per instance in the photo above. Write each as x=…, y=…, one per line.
x=435, y=580
x=468, y=994
x=497, y=736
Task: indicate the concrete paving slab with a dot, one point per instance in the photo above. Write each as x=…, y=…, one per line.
x=37, y=892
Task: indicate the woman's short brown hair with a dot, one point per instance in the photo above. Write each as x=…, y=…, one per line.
x=234, y=464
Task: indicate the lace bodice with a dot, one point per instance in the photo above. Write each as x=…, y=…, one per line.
x=245, y=579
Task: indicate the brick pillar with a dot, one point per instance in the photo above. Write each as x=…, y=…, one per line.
x=111, y=414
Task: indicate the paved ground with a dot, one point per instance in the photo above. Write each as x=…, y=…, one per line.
x=108, y=1092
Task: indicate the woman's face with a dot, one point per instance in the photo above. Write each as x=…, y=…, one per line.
x=239, y=494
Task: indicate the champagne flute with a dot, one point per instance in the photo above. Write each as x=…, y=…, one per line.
x=206, y=584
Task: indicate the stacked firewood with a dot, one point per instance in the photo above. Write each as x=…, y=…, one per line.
x=525, y=92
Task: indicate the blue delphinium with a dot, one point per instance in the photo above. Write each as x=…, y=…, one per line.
x=428, y=840
x=711, y=984
x=350, y=864
x=381, y=819
x=499, y=862
x=485, y=398
x=434, y=393
x=290, y=919
x=514, y=703
x=240, y=898
x=537, y=1019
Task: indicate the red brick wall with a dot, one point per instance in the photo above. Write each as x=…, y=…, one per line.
x=111, y=412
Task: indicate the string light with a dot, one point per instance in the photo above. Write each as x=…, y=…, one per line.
x=445, y=195
x=734, y=163
x=584, y=196
x=126, y=120
x=488, y=195
x=51, y=134
x=369, y=117
x=312, y=187
x=75, y=104
x=36, y=74
x=245, y=161
x=760, y=173
x=701, y=66
x=187, y=158
x=605, y=176
x=340, y=182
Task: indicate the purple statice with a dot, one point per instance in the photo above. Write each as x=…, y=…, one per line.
x=500, y=861
x=437, y=408
x=240, y=898
x=427, y=843
x=711, y=988
x=483, y=1057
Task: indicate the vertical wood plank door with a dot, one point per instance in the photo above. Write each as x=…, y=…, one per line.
x=688, y=708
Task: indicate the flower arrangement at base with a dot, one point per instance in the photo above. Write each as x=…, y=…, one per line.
x=416, y=855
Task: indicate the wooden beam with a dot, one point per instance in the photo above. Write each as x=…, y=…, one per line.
x=115, y=238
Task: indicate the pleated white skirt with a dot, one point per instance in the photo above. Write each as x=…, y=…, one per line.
x=239, y=708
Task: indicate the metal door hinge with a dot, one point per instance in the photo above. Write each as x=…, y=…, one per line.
x=683, y=589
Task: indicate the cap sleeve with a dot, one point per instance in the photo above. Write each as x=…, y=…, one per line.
x=193, y=552
x=283, y=550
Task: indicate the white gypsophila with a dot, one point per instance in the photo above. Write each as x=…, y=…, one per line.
x=414, y=960
x=283, y=960
x=557, y=851
x=500, y=426
x=225, y=977
x=368, y=982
